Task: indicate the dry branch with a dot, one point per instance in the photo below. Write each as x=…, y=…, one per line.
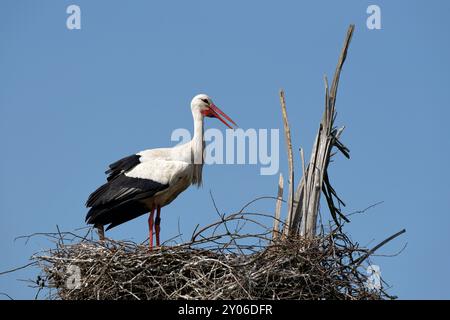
x=287, y=133
x=276, y=223
x=302, y=220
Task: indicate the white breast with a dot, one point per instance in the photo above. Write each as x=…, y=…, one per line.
x=177, y=174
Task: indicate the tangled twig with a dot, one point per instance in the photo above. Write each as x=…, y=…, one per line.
x=219, y=262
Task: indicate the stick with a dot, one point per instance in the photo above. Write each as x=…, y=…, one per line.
x=276, y=222
x=287, y=132
x=378, y=246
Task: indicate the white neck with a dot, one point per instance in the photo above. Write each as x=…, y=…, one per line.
x=197, y=145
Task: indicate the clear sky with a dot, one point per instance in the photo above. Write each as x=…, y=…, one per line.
x=73, y=101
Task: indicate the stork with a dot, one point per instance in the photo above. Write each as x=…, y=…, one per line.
x=151, y=179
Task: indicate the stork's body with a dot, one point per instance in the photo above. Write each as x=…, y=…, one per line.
x=151, y=179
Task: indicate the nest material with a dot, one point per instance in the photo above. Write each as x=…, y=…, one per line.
x=326, y=267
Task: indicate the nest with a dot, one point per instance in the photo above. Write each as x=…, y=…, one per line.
x=216, y=263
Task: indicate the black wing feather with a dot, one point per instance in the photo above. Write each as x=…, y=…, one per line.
x=122, y=165
x=121, y=196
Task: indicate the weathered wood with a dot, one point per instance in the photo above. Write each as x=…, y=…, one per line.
x=287, y=134
x=327, y=138
x=276, y=221
x=300, y=198
x=303, y=206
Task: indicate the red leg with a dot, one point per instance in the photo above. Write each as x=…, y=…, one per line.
x=150, y=227
x=100, y=231
x=157, y=222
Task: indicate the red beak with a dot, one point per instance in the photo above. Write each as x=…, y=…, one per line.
x=215, y=112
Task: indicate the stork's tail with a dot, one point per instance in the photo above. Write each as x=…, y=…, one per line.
x=113, y=216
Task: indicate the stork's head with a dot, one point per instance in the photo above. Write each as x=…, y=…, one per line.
x=203, y=104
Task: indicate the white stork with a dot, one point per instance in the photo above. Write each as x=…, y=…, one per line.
x=151, y=179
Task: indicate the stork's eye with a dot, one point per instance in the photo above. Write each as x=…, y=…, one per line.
x=205, y=101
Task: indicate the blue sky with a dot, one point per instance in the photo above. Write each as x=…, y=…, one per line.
x=73, y=101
